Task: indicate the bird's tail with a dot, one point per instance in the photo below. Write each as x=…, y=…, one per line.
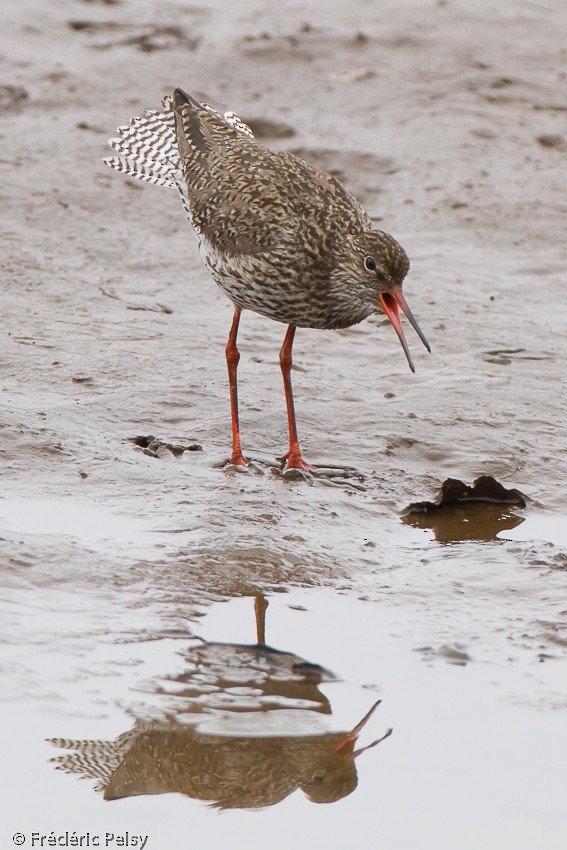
x=147, y=147
x=93, y=759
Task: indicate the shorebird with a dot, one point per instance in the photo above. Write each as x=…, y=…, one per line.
x=278, y=236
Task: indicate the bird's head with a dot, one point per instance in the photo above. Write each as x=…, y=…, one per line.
x=375, y=266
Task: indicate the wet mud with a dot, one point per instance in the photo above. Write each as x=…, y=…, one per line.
x=130, y=557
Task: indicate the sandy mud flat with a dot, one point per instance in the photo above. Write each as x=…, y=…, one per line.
x=132, y=565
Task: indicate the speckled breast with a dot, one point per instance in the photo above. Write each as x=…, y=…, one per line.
x=252, y=284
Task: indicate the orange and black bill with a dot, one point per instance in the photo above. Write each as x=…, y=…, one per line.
x=389, y=302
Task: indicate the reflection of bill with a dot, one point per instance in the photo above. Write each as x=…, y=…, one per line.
x=245, y=731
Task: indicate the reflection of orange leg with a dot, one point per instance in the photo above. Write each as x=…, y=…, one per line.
x=293, y=457
x=232, y=358
x=260, y=605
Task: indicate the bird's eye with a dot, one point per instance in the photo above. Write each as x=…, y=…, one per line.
x=370, y=264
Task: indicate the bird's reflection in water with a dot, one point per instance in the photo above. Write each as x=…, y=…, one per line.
x=247, y=678
x=244, y=733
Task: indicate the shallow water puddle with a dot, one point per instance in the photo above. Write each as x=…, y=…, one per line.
x=486, y=521
x=549, y=527
x=91, y=524
x=476, y=748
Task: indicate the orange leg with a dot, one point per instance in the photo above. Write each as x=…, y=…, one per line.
x=232, y=358
x=293, y=457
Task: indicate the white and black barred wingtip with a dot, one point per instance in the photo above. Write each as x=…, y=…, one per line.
x=147, y=147
x=150, y=173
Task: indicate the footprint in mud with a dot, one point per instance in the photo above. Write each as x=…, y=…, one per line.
x=153, y=447
x=325, y=473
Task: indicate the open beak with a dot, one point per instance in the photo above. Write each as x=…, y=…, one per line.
x=389, y=302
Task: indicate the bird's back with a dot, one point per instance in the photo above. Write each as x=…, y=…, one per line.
x=247, y=198
x=268, y=223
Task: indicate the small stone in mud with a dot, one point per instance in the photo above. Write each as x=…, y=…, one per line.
x=552, y=140
x=84, y=125
x=82, y=25
x=502, y=82
x=355, y=75
x=455, y=653
x=484, y=133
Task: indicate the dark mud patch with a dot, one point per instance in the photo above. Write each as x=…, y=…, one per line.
x=362, y=172
x=265, y=128
x=347, y=165
x=13, y=98
x=463, y=512
x=147, y=38
x=484, y=489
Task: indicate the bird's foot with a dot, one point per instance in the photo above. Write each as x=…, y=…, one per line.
x=293, y=461
x=293, y=466
x=237, y=462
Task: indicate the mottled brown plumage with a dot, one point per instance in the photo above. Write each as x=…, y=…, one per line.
x=279, y=236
